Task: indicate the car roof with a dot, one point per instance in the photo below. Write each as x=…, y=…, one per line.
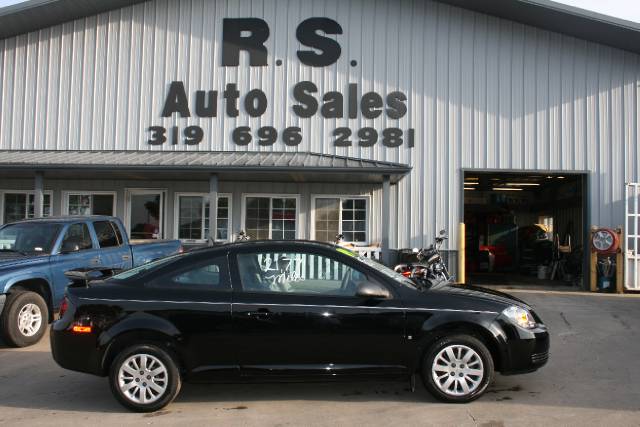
x=67, y=219
x=257, y=244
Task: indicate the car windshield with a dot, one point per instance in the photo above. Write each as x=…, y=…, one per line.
x=144, y=268
x=399, y=278
x=29, y=237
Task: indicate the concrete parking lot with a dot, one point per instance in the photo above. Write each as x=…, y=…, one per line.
x=592, y=379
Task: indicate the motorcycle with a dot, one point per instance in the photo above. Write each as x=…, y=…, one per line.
x=430, y=270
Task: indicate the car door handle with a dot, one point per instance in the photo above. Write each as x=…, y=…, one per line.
x=262, y=313
x=125, y=257
x=95, y=260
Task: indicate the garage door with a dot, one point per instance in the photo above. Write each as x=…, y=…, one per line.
x=632, y=237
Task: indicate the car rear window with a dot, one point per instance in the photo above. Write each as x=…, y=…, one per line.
x=146, y=268
x=106, y=234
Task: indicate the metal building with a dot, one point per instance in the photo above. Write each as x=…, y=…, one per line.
x=311, y=118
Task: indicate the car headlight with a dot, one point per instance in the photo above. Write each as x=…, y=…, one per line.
x=520, y=317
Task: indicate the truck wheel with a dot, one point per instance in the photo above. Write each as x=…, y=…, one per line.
x=457, y=369
x=24, y=318
x=144, y=378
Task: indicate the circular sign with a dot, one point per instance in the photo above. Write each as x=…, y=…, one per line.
x=605, y=241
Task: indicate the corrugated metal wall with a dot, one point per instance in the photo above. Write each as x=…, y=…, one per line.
x=483, y=92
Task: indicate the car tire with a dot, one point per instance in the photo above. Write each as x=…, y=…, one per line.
x=457, y=368
x=24, y=318
x=142, y=390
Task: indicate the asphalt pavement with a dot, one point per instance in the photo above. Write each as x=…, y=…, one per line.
x=592, y=378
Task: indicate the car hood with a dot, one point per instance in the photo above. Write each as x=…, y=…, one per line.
x=483, y=294
x=10, y=261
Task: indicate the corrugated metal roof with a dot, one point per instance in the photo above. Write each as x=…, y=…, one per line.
x=223, y=161
x=32, y=15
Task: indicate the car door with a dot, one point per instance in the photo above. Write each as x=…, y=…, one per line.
x=76, y=250
x=194, y=296
x=295, y=313
x=114, y=252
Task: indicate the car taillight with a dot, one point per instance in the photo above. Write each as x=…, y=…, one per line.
x=64, y=305
x=79, y=329
x=406, y=273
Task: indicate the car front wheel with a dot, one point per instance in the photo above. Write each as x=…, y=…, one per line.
x=457, y=368
x=144, y=378
x=24, y=319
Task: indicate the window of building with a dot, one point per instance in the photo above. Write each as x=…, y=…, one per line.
x=297, y=273
x=21, y=205
x=271, y=217
x=90, y=203
x=341, y=215
x=193, y=217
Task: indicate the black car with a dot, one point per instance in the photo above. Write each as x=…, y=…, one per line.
x=285, y=311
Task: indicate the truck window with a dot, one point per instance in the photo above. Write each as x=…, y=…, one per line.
x=106, y=234
x=78, y=234
x=118, y=233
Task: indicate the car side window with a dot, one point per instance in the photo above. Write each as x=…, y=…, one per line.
x=118, y=232
x=107, y=237
x=77, y=234
x=297, y=273
x=205, y=275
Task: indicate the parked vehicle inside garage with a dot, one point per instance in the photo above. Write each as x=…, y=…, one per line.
x=283, y=311
x=36, y=254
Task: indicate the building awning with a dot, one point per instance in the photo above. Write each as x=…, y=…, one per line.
x=190, y=165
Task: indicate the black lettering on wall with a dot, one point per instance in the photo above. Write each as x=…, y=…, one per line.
x=206, y=103
x=371, y=105
x=333, y=105
x=233, y=41
x=353, y=100
x=255, y=103
x=231, y=96
x=307, y=34
x=396, y=108
x=308, y=105
x=176, y=101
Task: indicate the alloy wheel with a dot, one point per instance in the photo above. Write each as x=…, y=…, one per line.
x=457, y=370
x=29, y=320
x=143, y=378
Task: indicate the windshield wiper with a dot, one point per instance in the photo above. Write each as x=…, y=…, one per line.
x=14, y=251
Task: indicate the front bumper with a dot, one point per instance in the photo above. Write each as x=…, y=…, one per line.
x=524, y=350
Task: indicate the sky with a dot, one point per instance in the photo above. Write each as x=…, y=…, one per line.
x=625, y=9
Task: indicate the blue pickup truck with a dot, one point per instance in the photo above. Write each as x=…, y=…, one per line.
x=35, y=255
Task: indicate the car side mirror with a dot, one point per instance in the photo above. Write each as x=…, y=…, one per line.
x=372, y=290
x=69, y=247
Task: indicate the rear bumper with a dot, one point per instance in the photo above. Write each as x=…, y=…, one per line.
x=524, y=350
x=76, y=352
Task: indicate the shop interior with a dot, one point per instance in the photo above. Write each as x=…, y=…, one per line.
x=524, y=228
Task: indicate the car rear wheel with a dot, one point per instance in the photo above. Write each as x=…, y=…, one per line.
x=144, y=378
x=457, y=368
x=24, y=319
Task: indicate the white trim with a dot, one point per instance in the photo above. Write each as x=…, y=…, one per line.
x=128, y=192
x=26, y=192
x=341, y=197
x=66, y=194
x=176, y=215
x=271, y=196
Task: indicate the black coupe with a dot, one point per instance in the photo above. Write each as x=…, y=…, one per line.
x=287, y=311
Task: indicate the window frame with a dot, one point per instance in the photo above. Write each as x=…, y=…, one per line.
x=341, y=197
x=271, y=196
x=135, y=191
x=176, y=216
x=26, y=193
x=67, y=193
